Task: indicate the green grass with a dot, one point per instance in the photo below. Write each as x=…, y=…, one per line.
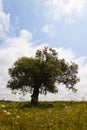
x=46, y=116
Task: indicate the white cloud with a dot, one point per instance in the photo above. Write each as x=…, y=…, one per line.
x=4, y=21
x=11, y=49
x=49, y=30
x=69, y=9
x=66, y=54
x=25, y=34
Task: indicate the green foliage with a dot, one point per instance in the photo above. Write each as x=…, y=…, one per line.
x=47, y=116
x=40, y=74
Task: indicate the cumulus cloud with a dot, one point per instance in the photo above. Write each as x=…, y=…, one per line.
x=4, y=21
x=67, y=54
x=69, y=9
x=25, y=34
x=49, y=29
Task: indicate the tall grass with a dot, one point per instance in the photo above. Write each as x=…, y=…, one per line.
x=46, y=116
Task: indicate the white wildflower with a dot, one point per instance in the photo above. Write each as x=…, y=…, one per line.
x=3, y=105
x=8, y=113
x=18, y=116
x=25, y=113
x=66, y=106
x=5, y=111
x=16, y=123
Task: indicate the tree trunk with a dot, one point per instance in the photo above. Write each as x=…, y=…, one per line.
x=34, y=96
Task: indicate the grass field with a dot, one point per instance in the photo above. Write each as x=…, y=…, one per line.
x=46, y=116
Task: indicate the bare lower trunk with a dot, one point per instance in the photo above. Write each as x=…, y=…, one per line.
x=34, y=96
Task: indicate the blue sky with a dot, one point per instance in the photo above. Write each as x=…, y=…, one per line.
x=33, y=15
x=28, y=25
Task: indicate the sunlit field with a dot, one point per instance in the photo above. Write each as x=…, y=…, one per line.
x=46, y=116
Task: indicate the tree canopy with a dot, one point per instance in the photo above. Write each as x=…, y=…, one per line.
x=41, y=73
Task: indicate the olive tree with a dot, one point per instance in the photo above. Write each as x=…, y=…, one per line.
x=40, y=74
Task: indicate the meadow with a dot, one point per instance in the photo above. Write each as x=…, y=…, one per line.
x=46, y=116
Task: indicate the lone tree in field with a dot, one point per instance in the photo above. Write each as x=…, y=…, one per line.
x=41, y=73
